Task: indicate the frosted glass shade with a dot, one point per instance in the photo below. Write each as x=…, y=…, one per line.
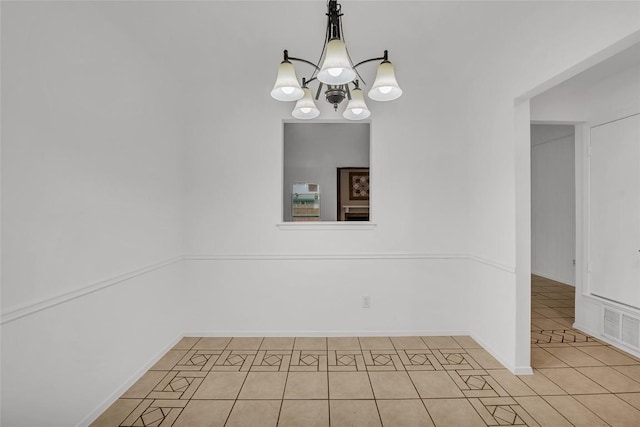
x=287, y=87
x=305, y=108
x=336, y=68
x=385, y=87
x=356, y=108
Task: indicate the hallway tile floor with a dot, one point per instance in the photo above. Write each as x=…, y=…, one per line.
x=389, y=381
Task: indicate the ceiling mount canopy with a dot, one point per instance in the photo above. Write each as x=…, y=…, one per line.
x=334, y=72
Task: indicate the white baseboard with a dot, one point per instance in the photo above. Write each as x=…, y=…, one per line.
x=523, y=370
x=323, y=333
x=517, y=370
x=93, y=415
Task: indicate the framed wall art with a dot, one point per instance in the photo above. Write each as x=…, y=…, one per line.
x=359, y=185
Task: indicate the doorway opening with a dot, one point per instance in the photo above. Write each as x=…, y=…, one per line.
x=596, y=91
x=553, y=202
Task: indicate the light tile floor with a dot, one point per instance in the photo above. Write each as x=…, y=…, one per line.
x=390, y=381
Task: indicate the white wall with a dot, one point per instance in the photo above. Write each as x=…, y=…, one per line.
x=591, y=102
x=104, y=102
x=406, y=161
x=320, y=296
x=314, y=151
x=553, y=201
x=545, y=39
x=64, y=365
x=91, y=187
x=116, y=115
x=408, y=263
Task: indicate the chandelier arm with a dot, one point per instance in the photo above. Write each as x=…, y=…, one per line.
x=324, y=46
x=347, y=49
x=319, y=91
x=353, y=66
x=382, y=58
x=291, y=58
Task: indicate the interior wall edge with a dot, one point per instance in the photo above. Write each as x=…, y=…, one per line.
x=493, y=325
x=517, y=370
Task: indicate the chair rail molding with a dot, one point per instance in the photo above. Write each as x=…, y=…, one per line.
x=29, y=309
x=47, y=303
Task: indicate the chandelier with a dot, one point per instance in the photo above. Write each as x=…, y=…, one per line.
x=337, y=72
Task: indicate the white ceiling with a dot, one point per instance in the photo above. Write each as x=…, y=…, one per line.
x=448, y=38
x=430, y=42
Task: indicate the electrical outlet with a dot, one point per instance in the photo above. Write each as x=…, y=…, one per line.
x=366, y=301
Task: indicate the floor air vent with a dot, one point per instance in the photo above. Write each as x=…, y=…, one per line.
x=612, y=323
x=622, y=327
x=631, y=331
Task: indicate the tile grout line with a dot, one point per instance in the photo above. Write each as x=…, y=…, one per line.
x=328, y=383
x=326, y=341
x=286, y=382
x=373, y=392
x=235, y=401
x=424, y=405
x=545, y=398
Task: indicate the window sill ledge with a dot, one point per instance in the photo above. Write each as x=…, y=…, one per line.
x=327, y=225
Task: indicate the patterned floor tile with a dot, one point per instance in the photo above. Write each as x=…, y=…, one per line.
x=155, y=413
x=455, y=359
x=502, y=412
x=477, y=383
x=271, y=361
x=559, y=336
x=178, y=385
x=345, y=360
x=418, y=360
x=198, y=360
x=234, y=360
x=309, y=360
x=382, y=360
